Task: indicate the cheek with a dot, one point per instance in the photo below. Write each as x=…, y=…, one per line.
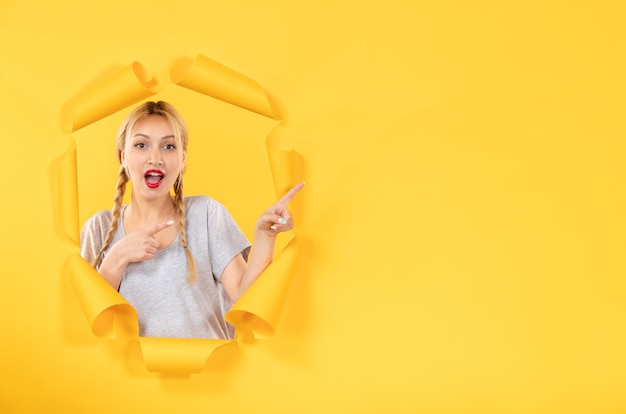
x=180, y=161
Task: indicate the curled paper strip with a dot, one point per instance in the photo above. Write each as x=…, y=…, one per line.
x=282, y=159
x=124, y=88
x=178, y=356
x=65, y=194
x=107, y=312
x=257, y=313
x=213, y=79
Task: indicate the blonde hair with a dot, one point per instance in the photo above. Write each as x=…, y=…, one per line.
x=179, y=128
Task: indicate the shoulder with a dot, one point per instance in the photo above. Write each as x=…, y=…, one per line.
x=207, y=208
x=195, y=204
x=96, y=227
x=100, y=220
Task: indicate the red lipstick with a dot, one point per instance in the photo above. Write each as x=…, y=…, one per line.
x=153, y=178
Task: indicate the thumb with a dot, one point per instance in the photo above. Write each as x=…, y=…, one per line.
x=158, y=227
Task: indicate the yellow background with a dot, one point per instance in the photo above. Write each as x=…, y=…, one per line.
x=461, y=227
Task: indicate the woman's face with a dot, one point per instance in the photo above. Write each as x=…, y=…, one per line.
x=152, y=157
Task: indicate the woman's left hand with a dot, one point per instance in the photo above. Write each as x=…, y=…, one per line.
x=277, y=218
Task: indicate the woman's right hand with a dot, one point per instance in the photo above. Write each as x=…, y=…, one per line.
x=137, y=246
x=140, y=244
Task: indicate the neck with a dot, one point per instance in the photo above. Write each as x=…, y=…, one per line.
x=150, y=211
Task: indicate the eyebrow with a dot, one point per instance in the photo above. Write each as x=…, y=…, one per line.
x=147, y=136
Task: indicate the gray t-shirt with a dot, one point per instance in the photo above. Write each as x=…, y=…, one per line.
x=167, y=305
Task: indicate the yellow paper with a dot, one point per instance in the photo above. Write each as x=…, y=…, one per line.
x=177, y=356
x=65, y=195
x=211, y=78
x=461, y=231
x=117, y=91
x=108, y=314
x=106, y=311
x=258, y=311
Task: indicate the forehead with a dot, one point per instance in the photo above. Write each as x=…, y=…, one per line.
x=152, y=126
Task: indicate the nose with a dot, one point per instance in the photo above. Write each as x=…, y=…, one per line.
x=155, y=156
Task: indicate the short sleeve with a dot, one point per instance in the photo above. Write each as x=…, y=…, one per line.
x=92, y=235
x=226, y=240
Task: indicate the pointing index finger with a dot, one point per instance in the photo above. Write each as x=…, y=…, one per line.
x=289, y=195
x=158, y=227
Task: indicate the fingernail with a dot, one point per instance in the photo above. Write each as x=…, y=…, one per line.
x=274, y=227
x=170, y=222
x=282, y=221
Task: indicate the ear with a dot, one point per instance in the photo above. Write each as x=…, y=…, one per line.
x=123, y=158
x=183, y=161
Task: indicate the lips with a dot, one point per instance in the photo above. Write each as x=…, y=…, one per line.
x=153, y=178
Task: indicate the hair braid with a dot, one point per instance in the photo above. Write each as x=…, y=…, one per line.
x=179, y=205
x=117, y=208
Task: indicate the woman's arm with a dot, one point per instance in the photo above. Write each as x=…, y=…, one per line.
x=137, y=246
x=239, y=276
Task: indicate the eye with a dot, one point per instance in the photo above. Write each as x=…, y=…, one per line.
x=169, y=147
x=140, y=145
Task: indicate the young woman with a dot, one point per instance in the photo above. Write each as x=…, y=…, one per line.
x=181, y=262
